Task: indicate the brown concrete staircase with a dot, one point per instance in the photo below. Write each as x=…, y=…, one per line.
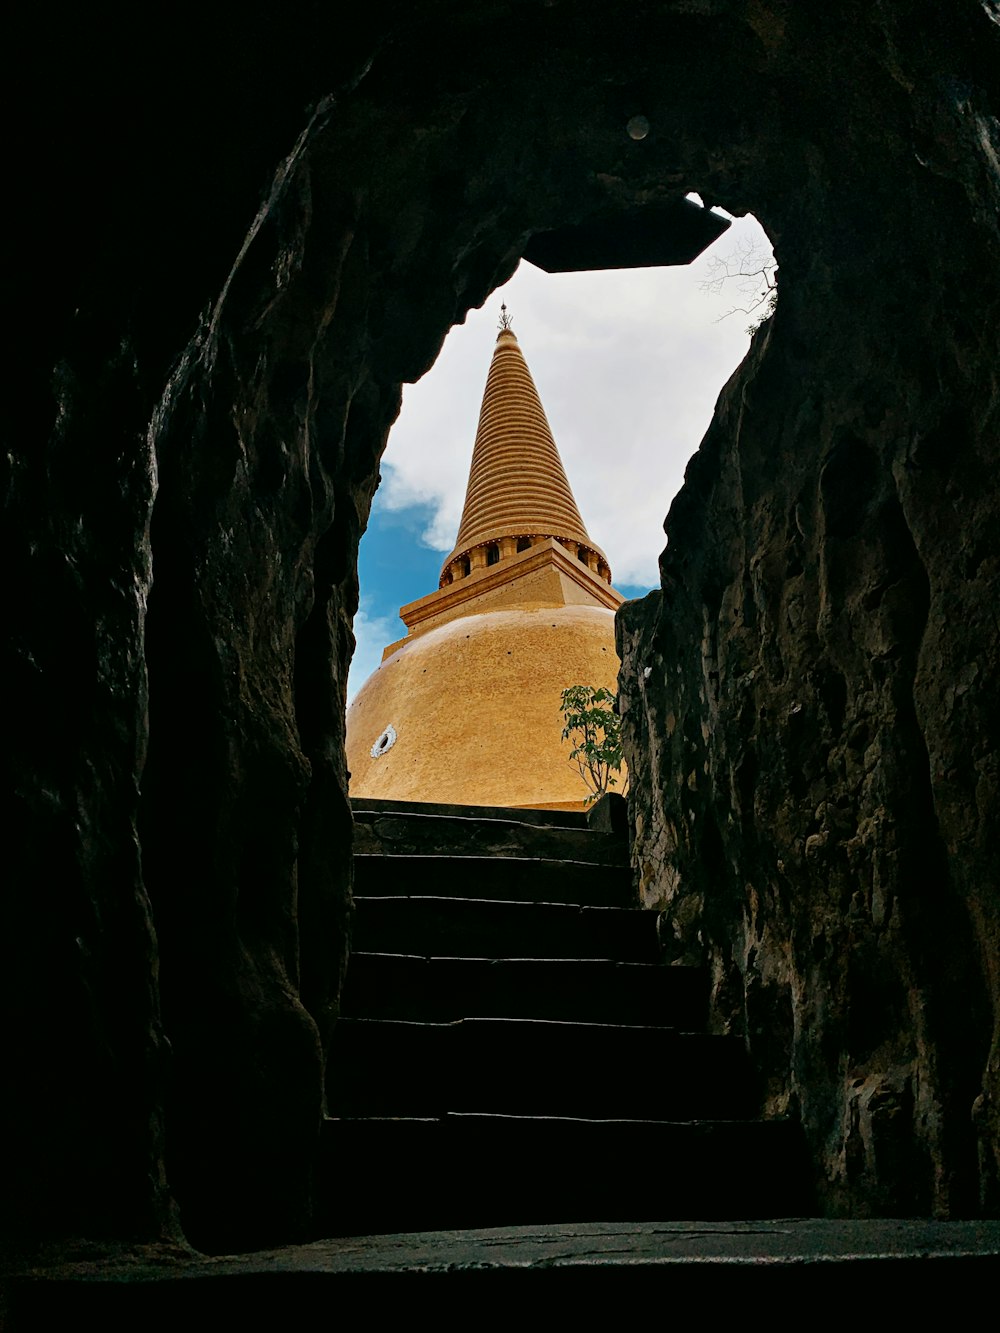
x=512, y=1050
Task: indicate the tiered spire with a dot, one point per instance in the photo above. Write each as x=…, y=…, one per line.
x=517, y=484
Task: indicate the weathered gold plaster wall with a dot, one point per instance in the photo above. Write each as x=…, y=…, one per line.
x=486, y=687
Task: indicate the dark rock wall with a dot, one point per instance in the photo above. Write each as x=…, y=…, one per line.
x=810, y=703
x=142, y=146
x=238, y=240
x=245, y=822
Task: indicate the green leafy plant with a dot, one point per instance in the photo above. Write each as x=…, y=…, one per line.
x=591, y=722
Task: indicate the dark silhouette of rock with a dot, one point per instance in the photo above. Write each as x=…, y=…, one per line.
x=237, y=236
x=810, y=704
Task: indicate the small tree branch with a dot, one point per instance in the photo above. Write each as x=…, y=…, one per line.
x=755, y=275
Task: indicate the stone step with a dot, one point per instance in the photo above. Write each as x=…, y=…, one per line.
x=400, y=833
x=384, y=1067
x=507, y=879
x=481, y=1170
x=591, y=1273
x=474, y=928
x=577, y=819
x=438, y=990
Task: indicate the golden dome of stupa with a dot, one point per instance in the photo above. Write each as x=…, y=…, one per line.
x=465, y=710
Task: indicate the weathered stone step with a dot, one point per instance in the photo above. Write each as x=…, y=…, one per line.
x=525, y=815
x=475, y=928
x=399, y=832
x=506, y=879
x=572, y=990
x=535, y=1068
x=592, y=1273
x=495, y=1170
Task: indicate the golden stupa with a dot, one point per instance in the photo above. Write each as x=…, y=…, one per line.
x=465, y=710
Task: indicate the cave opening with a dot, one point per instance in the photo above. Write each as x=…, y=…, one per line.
x=295, y=383
x=629, y=363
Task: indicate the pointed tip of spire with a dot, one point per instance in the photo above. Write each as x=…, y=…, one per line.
x=518, y=489
x=505, y=322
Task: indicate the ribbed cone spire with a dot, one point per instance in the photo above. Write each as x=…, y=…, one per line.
x=517, y=484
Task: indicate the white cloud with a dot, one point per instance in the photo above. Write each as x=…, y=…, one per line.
x=372, y=633
x=628, y=365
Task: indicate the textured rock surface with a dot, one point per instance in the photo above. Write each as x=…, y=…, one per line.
x=589, y=1269
x=811, y=702
x=202, y=407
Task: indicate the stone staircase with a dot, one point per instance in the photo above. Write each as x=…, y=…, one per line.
x=527, y=1109
x=512, y=1050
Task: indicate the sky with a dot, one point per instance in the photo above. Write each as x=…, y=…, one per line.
x=628, y=365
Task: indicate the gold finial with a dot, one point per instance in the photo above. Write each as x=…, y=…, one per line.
x=505, y=319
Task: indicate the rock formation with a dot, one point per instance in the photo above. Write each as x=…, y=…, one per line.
x=236, y=241
x=812, y=698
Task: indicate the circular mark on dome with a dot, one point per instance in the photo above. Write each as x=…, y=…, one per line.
x=385, y=742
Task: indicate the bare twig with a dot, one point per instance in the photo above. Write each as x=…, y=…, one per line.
x=756, y=277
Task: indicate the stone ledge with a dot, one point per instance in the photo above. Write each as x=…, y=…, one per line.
x=780, y=1241
x=609, y=814
x=593, y=1268
x=518, y=814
